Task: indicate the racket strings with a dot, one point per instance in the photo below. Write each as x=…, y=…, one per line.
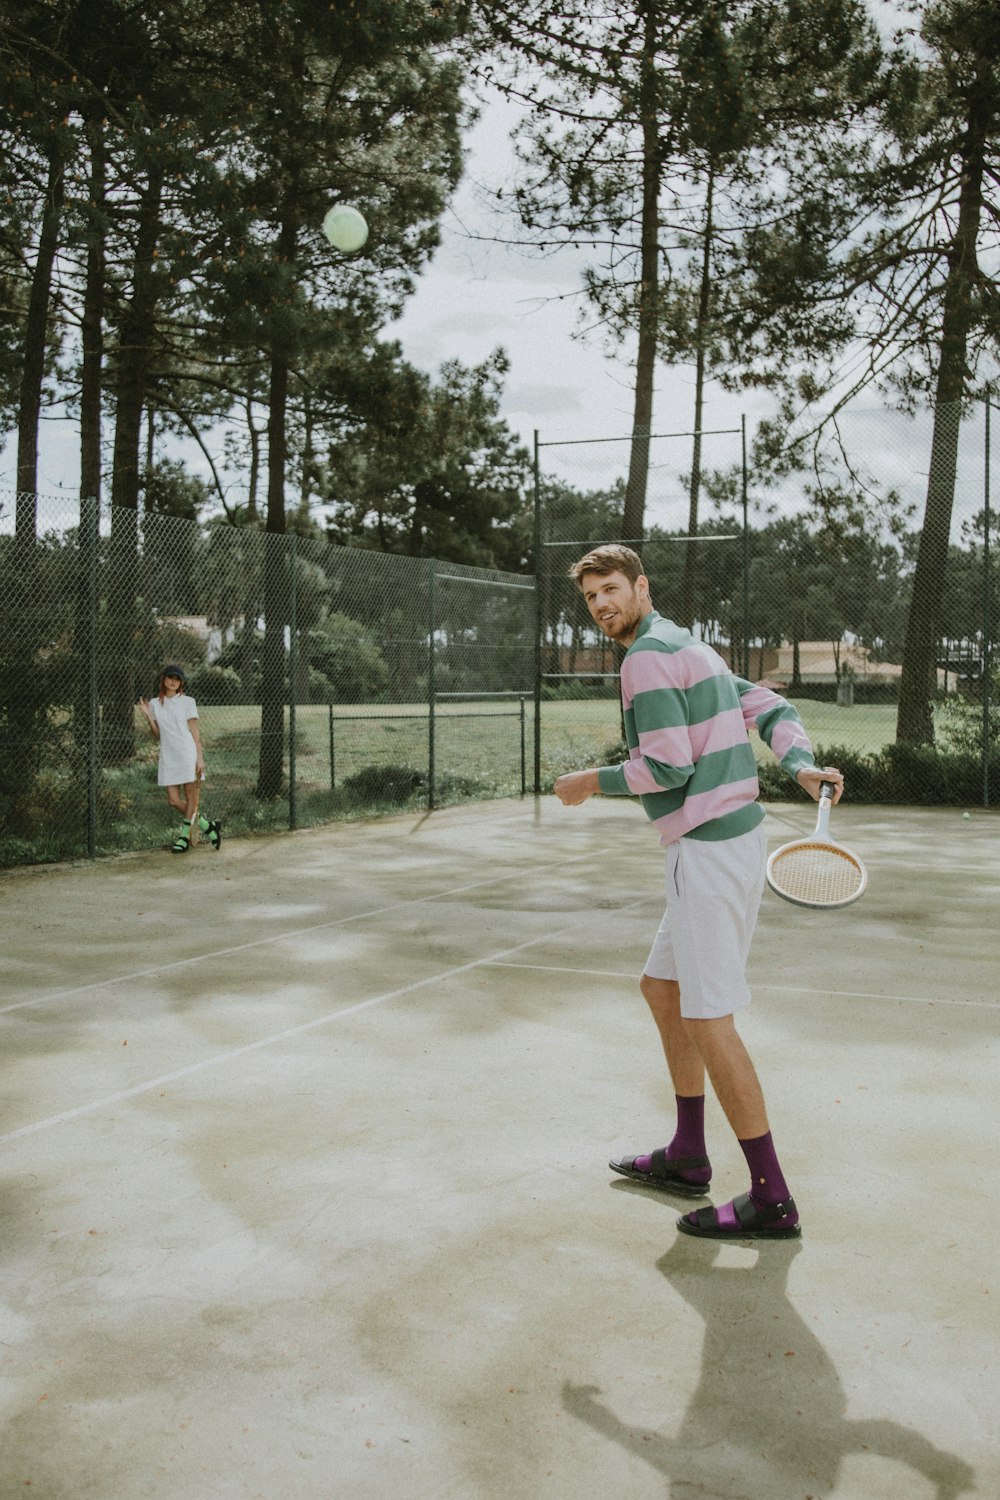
x=820, y=874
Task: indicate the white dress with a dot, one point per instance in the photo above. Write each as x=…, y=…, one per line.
x=178, y=751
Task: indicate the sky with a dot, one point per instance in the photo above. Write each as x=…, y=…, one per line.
x=477, y=294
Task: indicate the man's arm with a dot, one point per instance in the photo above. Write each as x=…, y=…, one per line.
x=783, y=732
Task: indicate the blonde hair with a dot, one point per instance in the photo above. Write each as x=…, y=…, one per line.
x=612, y=557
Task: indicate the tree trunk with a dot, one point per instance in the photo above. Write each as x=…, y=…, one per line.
x=251, y=567
x=90, y=404
x=271, y=764
x=688, y=586
x=92, y=323
x=33, y=365
x=118, y=722
x=914, y=719
x=91, y=380
x=633, y=519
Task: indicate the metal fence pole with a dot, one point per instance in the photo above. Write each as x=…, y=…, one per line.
x=986, y=610
x=524, y=768
x=431, y=688
x=88, y=546
x=746, y=556
x=537, y=547
x=333, y=759
x=293, y=663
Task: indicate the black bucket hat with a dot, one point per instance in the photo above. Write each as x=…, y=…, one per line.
x=172, y=669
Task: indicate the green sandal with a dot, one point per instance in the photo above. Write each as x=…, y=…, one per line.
x=181, y=844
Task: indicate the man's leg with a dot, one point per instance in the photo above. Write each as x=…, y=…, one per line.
x=734, y=1077
x=684, y=1059
x=737, y=1087
x=683, y=1165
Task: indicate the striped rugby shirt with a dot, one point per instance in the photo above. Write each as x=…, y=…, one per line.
x=687, y=721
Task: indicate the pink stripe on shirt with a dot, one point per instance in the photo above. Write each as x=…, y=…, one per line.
x=702, y=807
x=645, y=671
x=684, y=744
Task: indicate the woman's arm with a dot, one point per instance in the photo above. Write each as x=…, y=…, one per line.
x=199, y=765
x=150, y=720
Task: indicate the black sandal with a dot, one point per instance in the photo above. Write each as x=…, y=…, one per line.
x=753, y=1222
x=665, y=1175
x=215, y=834
x=181, y=844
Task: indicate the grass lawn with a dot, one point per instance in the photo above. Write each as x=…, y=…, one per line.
x=592, y=725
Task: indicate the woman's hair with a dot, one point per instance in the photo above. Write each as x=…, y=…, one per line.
x=613, y=557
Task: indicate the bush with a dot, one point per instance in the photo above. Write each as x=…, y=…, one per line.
x=918, y=775
x=393, y=786
x=342, y=650
x=215, y=685
x=320, y=688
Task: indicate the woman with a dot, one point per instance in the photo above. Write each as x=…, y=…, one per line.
x=173, y=720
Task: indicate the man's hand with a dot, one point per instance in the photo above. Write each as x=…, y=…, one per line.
x=576, y=786
x=811, y=778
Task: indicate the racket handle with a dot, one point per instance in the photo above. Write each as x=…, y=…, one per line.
x=825, y=803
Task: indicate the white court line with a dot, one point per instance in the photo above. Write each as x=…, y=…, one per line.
x=780, y=989
x=279, y=937
x=269, y=1041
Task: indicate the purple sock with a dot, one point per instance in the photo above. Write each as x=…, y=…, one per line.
x=689, y=1137
x=767, y=1182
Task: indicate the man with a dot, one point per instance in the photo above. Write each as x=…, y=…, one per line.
x=690, y=762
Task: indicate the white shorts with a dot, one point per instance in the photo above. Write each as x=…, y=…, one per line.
x=714, y=888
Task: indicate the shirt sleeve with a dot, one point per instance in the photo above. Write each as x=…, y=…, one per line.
x=778, y=725
x=655, y=693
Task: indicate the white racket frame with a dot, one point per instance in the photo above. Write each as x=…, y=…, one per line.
x=820, y=838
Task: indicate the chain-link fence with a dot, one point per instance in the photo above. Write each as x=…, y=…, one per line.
x=328, y=680
x=823, y=586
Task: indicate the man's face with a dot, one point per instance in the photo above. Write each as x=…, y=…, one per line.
x=616, y=604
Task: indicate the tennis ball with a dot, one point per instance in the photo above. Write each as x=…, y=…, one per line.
x=345, y=228
x=966, y=815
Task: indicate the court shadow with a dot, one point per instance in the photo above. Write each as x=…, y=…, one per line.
x=767, y=1416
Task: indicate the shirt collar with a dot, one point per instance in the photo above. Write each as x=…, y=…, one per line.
x=645, y=624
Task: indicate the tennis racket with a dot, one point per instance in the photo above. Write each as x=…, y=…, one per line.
x=817, y=871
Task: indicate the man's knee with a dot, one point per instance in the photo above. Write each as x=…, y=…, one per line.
x=663, y=996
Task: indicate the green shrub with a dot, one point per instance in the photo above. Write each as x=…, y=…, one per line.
x=320, y=688
x=393, y=786
x=215, y=685
x=918, y=775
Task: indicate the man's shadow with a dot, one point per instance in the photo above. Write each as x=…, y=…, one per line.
x=768, y=1414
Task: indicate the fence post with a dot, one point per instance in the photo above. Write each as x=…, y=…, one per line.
x=986, y=610
x=524, y=768
x=537, y=547
x=292, y=680
x=88, y=543
x=746, y=555
x=431, y=687
x=333, y=761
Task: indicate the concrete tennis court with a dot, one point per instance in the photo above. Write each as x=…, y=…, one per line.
x=305, y=1192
